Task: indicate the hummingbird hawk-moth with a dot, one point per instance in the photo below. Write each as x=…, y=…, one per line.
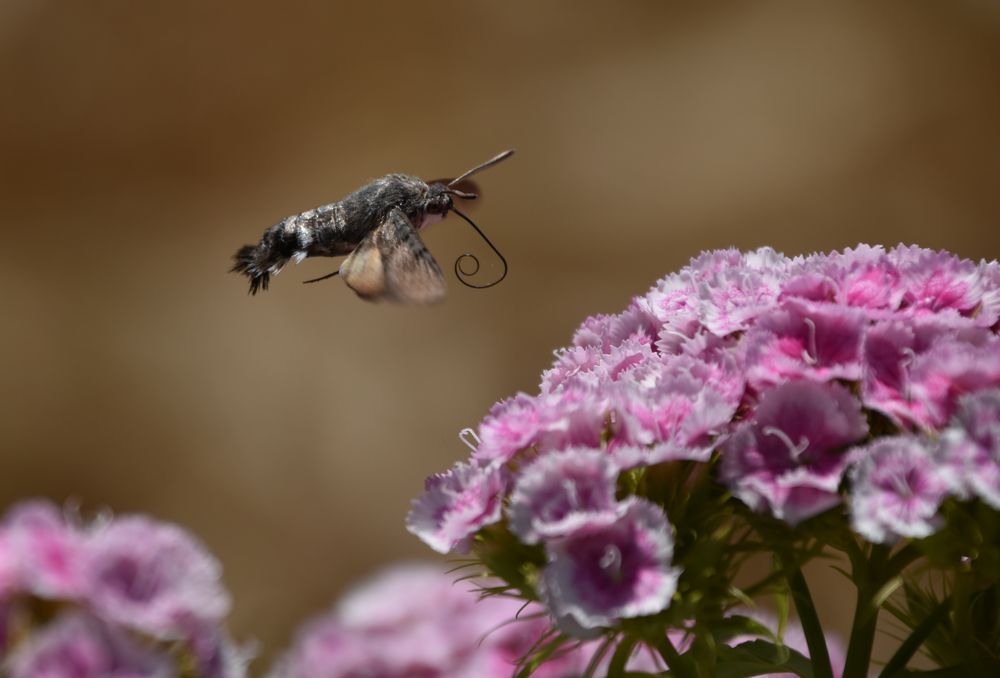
x=377, y=228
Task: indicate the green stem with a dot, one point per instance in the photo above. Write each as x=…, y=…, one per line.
x=619, y=660
x=901, y=559
x=869, y=576
x=813, y=630
x=913, y=642
x=678, y=665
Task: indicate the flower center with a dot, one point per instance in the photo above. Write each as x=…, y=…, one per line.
x=572, y=496
x=904, y=371
x=794, y=450
x=611, y=562
x=809, y=354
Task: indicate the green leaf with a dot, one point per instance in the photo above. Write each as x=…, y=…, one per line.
x=739, y=625
x=758, y=658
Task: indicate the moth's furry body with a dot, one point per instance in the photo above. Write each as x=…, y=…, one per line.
x=376, y=226
x=338, y=228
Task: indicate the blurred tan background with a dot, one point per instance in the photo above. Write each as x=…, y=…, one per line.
x=142, y=143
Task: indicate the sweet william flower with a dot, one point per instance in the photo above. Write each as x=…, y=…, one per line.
x=456, y=504
x=605, y=572
x=561, y=492
x=570, y=416
x=744, y=377
x=415, y=621
x=121, y=596
x=77, y=645
x=153, y=577
x=805, y=340
x=971, y=446
x=935, y=281
x=43, y=551
x=790, y=457
x=896, y=488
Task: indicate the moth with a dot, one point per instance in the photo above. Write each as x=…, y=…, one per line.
x=377, y=227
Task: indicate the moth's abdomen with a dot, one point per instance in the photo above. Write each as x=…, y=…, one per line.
x=289, y=239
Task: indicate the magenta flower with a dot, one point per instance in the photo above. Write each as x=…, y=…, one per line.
x=561, y=492
x=790, y=457
x=76, y=645
x=456, y=504
x=601, y=573
x=896, y=488
x=818, y=341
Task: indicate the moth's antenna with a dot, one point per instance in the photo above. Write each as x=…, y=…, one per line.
x=461, y=273
x=322, y=277
x=479, y=168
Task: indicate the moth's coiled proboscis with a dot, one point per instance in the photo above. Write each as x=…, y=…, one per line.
x=462, y=274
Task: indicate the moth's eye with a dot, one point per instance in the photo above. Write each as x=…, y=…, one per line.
x=439, y=206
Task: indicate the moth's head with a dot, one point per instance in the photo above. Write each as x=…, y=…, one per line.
x=441, y=194
x=439, y=199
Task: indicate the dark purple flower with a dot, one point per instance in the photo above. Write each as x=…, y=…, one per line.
x=896, y=488
x=606, y=572
x=456, y=504
x=790, y=457
x=76, y=645
x=153, y=577
x=561, y=492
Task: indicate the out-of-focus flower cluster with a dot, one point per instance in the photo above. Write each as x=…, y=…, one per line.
x=864, y=381
x=116, y=597
x=416, y=621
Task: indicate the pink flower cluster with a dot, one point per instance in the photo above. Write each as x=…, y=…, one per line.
x=125, y=596
x=415, y=621
x=789, y=376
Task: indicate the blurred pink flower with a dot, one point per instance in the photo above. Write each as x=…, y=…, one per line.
x=414, y=621
x=135, y=595
x=153, y=577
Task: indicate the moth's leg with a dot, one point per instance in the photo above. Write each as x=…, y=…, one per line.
x=322, y=277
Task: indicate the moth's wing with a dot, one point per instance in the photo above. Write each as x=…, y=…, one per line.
x=392, y=263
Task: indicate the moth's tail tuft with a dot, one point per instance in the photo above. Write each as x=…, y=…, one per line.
x=252, y=265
